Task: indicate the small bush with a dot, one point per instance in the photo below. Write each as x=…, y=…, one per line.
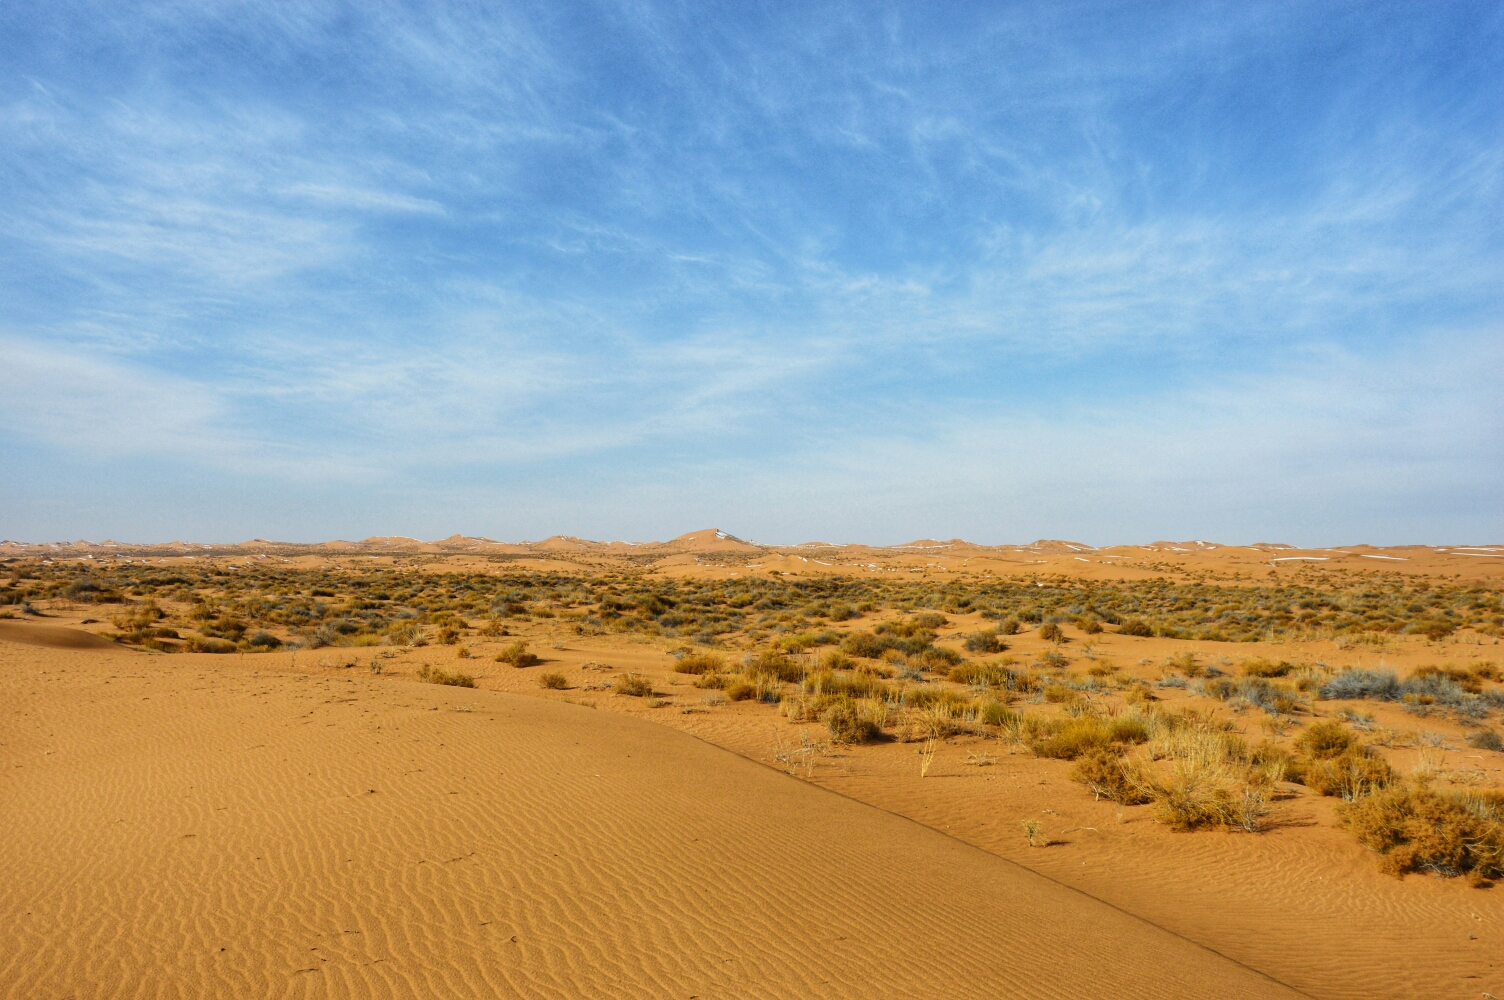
x=634, y=685
x=1486, y=739
x=1325, y=740
x=1074, y=738
x=262, y=638
x=1187, y=663
x=1261, y=667
x=1108, y=776
x=774, y=665
x=1414, y=828
x=700, y=663
x=850, y=721
x=1051, y=632
x=517, y=655
x=995, y=713
x=204, y=644
x=1354, y=773
x=1136, y=626
x=985, y=642
x=553, y=682
x=1008, y=626
x=1276, y=699
x=1359, y=682
x=433, y=675
x=740, y=690
x=990, y=674
x=1195, y=795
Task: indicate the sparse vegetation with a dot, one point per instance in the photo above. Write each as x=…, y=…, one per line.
x=553, y=681
x=435, y=675
x=634, y=685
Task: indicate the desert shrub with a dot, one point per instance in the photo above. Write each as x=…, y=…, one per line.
x=1136, y=626
x=936, y=658
x=700, y=663
x=930, y=620
x=1107, y=775
x=990, y=674
x=635, y=685
x=1361, y=682
x=868, y=645
x=1059, y=694
x=1072, y=739
x=1008, y=626
x=434, y=675
x=858, y=684
x=850, y=721
x=553, y=682
x=1330, y=760
x=841, y=612
x=1054, y=660
x=1350, y=775
x=1356, y=718
x=264, y=639
x=1051, y=632
x=1469, y=681
x=834, y=659
x=1186, y=663
x=995, y=713
x=448, y=635
x=1325, y=740
x=985, y=642
x=1415, y=828
x=740, y=690
x=1276, y=699
x=517, y=655
x=935, y=720
x=209, y=644
x=1261, y=667
x=1195, y=795
x=1485, y=739
x=773, y=664
x=1090, y=626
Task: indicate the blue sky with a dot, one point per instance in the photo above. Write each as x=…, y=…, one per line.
x=848, y=272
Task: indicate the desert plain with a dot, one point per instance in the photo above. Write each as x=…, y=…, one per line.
x=711, y=768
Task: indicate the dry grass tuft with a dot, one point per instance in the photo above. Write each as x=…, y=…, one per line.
x=553, y=682
x=434, y=675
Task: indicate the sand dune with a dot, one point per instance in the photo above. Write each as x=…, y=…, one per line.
x=52, y=636
x=191, y=827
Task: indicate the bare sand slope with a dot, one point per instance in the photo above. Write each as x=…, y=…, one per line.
x=52, y=636
x=188, y=827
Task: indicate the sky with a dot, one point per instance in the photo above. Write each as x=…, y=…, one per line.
x=805, y=271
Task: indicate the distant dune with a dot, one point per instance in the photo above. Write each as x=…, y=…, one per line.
x=712, y=552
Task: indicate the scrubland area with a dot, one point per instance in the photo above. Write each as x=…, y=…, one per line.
x=1299, y=772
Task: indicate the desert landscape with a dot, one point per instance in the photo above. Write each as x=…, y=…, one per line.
x=712, y=768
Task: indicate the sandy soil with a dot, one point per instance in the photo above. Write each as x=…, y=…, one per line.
x=198, y=826
x=296, y=824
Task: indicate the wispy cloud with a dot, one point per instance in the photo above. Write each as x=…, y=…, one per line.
x=1055, y=257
